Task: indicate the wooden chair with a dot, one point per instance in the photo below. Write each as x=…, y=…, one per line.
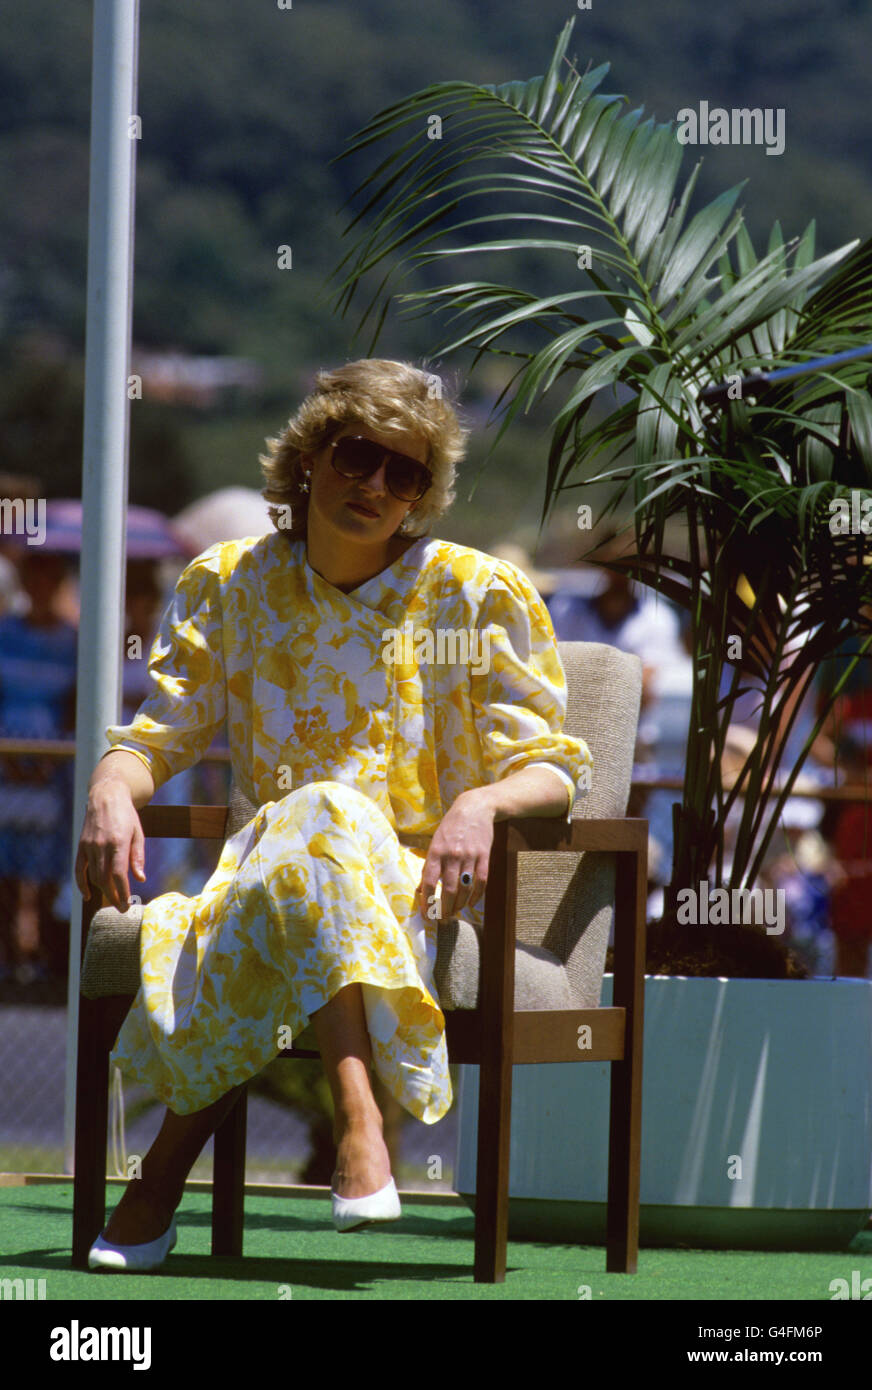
x=554, y=889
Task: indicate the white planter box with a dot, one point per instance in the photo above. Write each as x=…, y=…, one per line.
x=774, y=1073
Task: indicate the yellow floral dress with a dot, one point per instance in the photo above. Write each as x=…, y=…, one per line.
x=354, y=721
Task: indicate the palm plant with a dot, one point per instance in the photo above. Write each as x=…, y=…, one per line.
x=671, y=303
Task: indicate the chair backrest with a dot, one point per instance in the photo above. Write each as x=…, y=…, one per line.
x=241, y=810
x=604, y=693
x=566, y=901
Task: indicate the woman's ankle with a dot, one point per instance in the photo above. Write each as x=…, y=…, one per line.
x=363, y=1163
x=157, y=1192
x=142, y=1215
x=362, y=1119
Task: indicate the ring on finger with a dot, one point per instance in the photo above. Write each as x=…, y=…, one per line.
x=466, y=880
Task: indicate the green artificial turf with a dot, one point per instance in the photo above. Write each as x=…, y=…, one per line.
x=293, y=1253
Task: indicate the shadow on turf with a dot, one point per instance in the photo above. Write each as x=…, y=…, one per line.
x=340, y=1270
x=335, y=1274
x=459, y=1227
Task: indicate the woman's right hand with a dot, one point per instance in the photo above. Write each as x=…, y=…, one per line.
x=111, y=843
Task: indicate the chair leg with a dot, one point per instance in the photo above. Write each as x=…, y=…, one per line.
x=497, y=1002
x=228, y=1180
x=625, y=1113
x=622, y=1221
x=99, y=1022
x=492, y=1175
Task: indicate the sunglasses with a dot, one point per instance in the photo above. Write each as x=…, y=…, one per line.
x=356, y=457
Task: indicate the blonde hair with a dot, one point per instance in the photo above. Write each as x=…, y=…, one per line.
x=386, y=397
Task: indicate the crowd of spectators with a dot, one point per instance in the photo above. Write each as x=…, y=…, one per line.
x=38, y=642
x=822, y=859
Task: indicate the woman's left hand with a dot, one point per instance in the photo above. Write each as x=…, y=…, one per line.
x=461, y=845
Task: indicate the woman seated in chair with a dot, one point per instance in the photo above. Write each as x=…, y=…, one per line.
x=387, y=697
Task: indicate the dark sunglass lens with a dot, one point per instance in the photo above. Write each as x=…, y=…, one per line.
x=356, y=458
x=406, y=479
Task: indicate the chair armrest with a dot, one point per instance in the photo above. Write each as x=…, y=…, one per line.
x=550, y=833
x=163, y=823
x=628, y=839
x=184, y=822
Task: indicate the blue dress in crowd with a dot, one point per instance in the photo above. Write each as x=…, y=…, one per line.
x=37, y=691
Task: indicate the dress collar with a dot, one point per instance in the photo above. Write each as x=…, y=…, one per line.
x=389, y=583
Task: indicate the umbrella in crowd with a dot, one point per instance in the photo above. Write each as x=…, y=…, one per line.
x=56, y=527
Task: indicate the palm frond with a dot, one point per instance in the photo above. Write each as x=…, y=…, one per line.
x=660, y=303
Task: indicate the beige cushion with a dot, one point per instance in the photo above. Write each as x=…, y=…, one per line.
x=566, y=901
x=111, y=963
x=541, y=981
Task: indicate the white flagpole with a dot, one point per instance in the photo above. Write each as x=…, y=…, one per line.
x=114, y=132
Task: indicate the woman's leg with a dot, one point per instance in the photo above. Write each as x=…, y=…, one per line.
x=362, y=1161
x=363, y=1164
x=146, y=1208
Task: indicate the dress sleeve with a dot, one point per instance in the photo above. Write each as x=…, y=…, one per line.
x=186, y=705
x=518, y=689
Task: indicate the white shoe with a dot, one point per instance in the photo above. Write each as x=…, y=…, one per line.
x=151, y=1255
x=351, y=1212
